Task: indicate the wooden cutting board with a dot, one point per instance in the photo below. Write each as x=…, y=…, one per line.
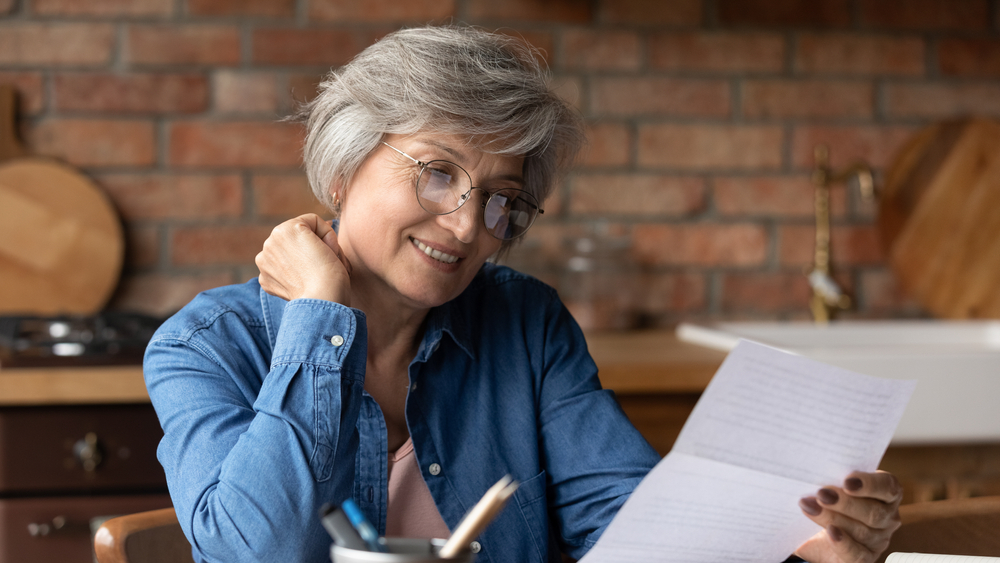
x=61, y=243
x=939, y=218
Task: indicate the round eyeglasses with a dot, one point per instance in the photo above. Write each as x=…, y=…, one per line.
x=443, y=187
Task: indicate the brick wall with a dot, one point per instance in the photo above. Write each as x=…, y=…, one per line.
x=702, y=116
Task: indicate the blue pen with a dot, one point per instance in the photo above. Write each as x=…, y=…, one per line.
x=362, y=525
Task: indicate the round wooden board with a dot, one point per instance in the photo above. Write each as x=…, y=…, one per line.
x=939, y=218
x=61, y=243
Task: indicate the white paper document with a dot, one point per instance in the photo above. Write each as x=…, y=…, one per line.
x=770, y=428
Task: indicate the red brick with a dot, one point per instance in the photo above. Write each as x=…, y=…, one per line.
x=848, y=144
x=662, y=293
x=235, y=143
x=202, y=246
x=636, y=194
x=381, y=11
x=970, y=57
x=570, y=89
x=567, y=11
x=926, y=14
x=245, y=92
x=163, y=294
x=6, y=6
x=881, y=292
x=850, y=245
x=96, y=142
x=131, y=93
x=608, y=144
x=660, y=96
x=56, y=44
x=700, y=245
x=600, y=50
x=142, y=245
x=183, y=45
x=765, y=292
x=285, y=196
x=309, y=47
x=304, y=87
x=772, y=196
x=30, y=87
x=781, y=98
x=717, y=52
x=175, y=196
x=843, y=53
x=710, y=147
x=128, y=8
x=812, y=13
x=942, y=100
x=261, y=8
x=651, y=12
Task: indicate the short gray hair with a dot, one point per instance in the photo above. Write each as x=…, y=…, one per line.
x=459, y=80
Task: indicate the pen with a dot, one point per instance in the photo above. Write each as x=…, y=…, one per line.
x=362, y=525
x=479, y=517
x=340, y=528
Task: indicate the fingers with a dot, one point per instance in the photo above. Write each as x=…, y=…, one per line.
x=302, y=258
x=879, y=485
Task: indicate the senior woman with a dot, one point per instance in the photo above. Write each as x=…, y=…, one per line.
x=384, y=359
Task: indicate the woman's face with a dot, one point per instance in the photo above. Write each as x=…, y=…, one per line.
x=385, y=233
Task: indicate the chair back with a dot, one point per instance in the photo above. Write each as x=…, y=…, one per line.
x=145, y=537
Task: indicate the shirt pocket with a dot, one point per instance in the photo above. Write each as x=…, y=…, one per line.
x=531, y=501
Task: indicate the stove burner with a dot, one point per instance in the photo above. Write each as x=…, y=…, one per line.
x=104, y=339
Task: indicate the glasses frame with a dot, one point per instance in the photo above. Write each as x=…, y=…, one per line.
x=531, y=200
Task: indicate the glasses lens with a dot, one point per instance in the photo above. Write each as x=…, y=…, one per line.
x=441, y=187
x=509, y=213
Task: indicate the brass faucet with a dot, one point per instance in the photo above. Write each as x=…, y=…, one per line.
x=827, y=297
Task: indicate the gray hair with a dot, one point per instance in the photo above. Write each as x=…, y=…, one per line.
x=485, y=86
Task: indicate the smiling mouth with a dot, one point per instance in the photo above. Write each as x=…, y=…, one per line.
x=435, y=254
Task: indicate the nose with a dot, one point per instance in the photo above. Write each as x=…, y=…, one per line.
x=464, y=221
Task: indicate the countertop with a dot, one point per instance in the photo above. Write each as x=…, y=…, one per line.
x=630, y=363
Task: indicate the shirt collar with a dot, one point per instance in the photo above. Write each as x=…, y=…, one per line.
x=451, y=319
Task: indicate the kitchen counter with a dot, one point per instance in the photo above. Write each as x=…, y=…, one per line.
x=630, y=363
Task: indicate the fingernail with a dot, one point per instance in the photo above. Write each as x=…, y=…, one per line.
x=852, y=483
x=828, y=496
x=810, y=506
x=835, y=533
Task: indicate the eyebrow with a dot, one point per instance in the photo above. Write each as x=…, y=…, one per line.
x=518, y=179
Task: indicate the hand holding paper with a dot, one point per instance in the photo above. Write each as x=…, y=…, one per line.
x=770, y=429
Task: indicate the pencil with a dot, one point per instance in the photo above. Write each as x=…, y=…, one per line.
x=479, y=517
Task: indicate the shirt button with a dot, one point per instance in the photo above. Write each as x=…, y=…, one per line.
x=435, y=469
x=337, y=340
x=475, y=547
x=413, y=387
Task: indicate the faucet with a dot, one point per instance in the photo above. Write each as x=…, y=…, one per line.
x=827, y=297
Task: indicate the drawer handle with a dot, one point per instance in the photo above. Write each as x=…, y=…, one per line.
x=45, y=528
x=88, y=452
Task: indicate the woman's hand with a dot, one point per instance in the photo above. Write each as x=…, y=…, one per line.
x=858, y=519
x=302, y=258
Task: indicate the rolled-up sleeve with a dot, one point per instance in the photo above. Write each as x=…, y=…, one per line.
x=248, y=460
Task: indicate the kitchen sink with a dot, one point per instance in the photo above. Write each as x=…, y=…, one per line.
x=956, y=364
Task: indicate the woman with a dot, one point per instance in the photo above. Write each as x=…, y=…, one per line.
x=383, y=359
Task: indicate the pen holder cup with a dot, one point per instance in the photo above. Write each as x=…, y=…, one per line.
x=401, y=550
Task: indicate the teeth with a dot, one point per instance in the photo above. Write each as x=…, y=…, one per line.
x=435, y=254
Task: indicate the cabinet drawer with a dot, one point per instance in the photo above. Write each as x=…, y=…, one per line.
x=30, y=528
x=79, y=448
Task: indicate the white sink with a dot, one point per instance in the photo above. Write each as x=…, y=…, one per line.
x=956, y=364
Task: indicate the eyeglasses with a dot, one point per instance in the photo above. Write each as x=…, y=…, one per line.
x=443, y=187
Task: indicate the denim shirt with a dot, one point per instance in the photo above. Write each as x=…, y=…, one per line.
x=265, y=418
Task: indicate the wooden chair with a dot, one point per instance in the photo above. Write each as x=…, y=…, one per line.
x=145, y=537
x=968, y=526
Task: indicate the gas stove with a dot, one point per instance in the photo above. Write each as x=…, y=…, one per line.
x=103, y=339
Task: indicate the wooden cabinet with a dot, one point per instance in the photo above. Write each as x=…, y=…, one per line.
x=658, y=379
x=64, y=465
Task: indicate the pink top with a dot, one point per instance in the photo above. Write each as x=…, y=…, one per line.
x=411, y=512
